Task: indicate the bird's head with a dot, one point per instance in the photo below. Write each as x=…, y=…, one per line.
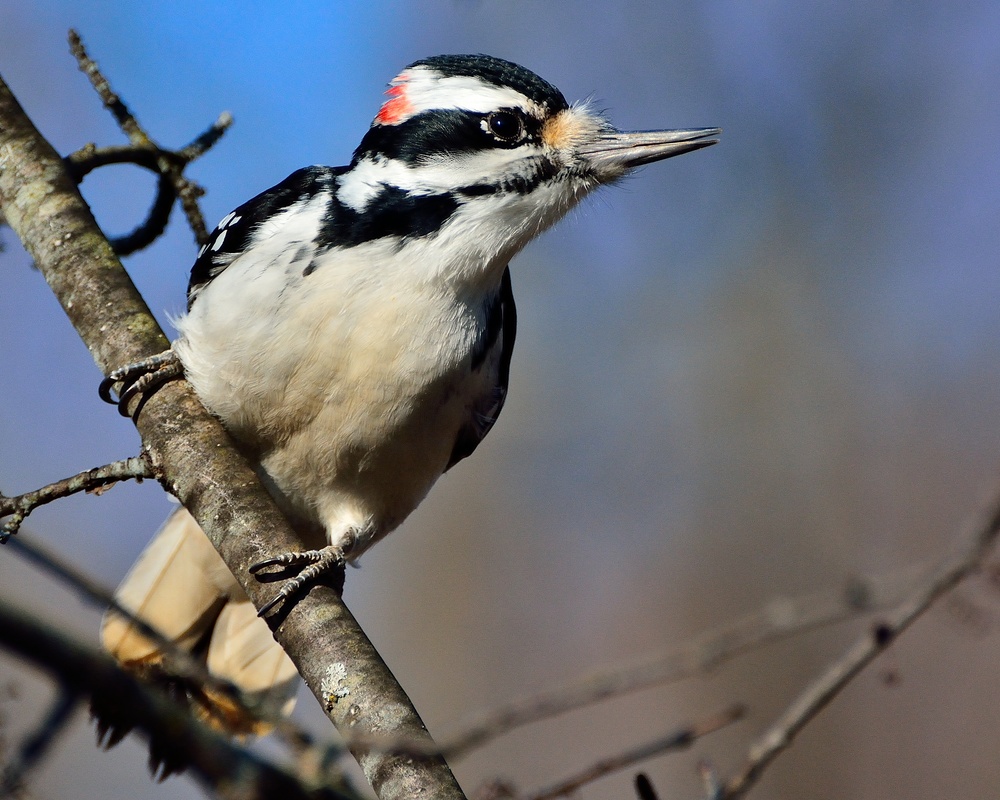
x=481, y=139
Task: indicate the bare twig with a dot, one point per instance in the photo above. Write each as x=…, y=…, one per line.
x=183, y=665
x=99, y=595
x=780, y=619
x=678, y=740
x=145, y=152
x=112, y=101
x=36, y=745
x=207, y=140
x=974, y=544
x=644, y=787
x=92, y=480
x=228, y=770
x=91, y=157
x=319, y=754
x=181, y=661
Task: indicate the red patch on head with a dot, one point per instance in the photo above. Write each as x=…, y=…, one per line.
x=396, y=108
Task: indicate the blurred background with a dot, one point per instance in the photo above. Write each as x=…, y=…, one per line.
x=753, y=371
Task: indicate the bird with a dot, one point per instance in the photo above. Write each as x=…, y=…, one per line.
x=352, y=329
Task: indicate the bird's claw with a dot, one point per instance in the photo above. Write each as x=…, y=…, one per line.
x=138, y=379
x=315, y=563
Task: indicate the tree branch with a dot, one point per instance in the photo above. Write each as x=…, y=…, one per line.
x=229, y=770
x=677, y=740
x=145, y=152
x=781, y=618
x=36, y=744
x=979, y=536
x=92, y=480
x=182, y=663
x=198, y=462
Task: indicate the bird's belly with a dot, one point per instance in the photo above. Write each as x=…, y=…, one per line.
x=367, y=459
x=357, y=419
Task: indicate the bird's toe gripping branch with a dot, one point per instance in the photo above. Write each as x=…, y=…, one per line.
x=316, y=563
x=140, y=379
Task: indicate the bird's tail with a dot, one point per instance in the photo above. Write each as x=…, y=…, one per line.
x=182, y=588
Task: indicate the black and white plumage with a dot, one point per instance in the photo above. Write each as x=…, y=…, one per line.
x=352, y=327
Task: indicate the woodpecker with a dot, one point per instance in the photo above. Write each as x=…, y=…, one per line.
x=352, y=328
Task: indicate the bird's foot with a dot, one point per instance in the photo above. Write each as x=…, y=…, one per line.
x=141, y=378
x=315, y=562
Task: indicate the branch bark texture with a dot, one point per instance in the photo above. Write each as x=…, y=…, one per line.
x=199, y=464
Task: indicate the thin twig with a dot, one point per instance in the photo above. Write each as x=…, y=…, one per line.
x=145, y=152
x=91, y=157
x=678, y=740
x=155, y=223
x=182, y=663
x=976, y=541
x=207, y=140
x=226, y=769
x=126, y=121
x=18, y=508
x=36, y=744
x=644, y=788
x=188, y=193
x=779, y=619
x=321, y=755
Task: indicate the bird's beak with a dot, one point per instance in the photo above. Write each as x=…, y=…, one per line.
x=613, y=153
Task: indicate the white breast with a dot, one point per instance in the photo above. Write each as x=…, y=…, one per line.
x=347, y=385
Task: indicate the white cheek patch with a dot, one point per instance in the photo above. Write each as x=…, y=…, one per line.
x=421, y=89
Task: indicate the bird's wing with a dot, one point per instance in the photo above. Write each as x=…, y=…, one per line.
x=255, y=221
x=492, y=355
x=307, y=210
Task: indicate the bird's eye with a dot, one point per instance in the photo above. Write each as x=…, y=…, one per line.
x=505, y=125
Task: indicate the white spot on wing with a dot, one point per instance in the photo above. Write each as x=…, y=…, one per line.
x=299, y=222
x=360, y=185
x=219, y=240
